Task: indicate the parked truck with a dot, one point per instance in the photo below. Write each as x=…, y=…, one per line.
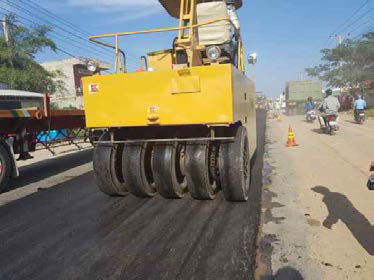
x=297, y=92
x=22, y=116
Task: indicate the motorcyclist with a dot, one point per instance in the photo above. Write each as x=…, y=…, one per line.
x=309, y=105
x=359, y=104
x=329, y=106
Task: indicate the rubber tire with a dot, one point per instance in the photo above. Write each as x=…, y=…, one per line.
x=107, y=168
x=330, y=130
x=6, y=174
x=134, y=170
x=164, y=166
x=234, y=184
x=199, y=183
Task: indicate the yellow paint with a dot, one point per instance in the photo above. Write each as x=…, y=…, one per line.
x=164, y=98
x=187, y=43
x=161, y=60
x=185, y=83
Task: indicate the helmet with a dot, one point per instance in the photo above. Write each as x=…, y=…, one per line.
x=328, y=92
x=310, y=98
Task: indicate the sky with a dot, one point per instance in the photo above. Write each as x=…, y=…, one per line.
x=287, y=35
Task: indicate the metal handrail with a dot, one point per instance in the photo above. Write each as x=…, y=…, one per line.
x=159, y=30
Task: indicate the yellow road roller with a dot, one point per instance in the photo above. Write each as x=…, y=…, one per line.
x=183, y=123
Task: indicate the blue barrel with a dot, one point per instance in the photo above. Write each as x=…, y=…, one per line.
x=51, y=136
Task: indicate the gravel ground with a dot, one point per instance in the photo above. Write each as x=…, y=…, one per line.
x=317, y=214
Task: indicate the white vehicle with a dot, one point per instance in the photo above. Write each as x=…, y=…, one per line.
x=311, y=116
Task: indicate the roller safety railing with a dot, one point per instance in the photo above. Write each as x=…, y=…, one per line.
x=96, y=40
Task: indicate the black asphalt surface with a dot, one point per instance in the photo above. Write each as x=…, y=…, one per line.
x=72, y=231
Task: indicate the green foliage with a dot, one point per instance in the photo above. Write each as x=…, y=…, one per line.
x=348, y=65
x=18, y=67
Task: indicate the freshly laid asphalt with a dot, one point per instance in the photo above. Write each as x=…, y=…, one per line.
x=72, y=231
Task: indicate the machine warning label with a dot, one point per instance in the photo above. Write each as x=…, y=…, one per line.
x=93, y=88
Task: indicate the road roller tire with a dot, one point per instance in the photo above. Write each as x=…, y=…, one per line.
x=5, y=169
x=137, y=169
x=108, y=168
x=167, y=166
x=234, y=167
x=201, y=183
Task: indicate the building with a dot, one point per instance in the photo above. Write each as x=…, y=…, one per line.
x=72, y=70
x=3, y=86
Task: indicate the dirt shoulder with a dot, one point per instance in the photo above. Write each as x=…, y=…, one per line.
x=317, y=220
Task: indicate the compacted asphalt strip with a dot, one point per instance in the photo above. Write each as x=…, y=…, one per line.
x=72, y=231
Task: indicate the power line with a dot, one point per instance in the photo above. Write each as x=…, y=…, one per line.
x=359, y=26
x=370, y=29
x=131, y=60
x=65, y=52
x=353, y=23
x=58, y=36
x=48, y=13
x=354, y=13
x=18, y=7
x=59, y=49
x=24, y=18
x=346, y=21
x=357, y=20
x=58, y=18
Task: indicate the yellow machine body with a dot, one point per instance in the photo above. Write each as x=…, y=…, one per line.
x=177, y=123
x=217, y=94
x=161, y=60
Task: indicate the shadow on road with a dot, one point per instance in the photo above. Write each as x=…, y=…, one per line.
x=285, y=273
x=40, y=170
x=317, y=130
x=352, y=122
x=341, y=208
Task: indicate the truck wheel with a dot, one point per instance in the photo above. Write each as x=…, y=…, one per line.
x=235, y=167
x=5, y=169
x=108, y=168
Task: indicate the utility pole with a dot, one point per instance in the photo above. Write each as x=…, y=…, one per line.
x=301, y=76
x=339, y=39
x=5, y=30
x=5, y=25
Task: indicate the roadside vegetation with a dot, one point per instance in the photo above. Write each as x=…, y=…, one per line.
x=349, y=65
x=370, y=113
x=18, y=67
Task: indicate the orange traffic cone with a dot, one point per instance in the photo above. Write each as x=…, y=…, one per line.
x=291, y=138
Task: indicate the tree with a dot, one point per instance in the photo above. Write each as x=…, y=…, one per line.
x=18, y=67
x=348, y=65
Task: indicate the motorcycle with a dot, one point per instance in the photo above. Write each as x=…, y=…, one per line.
x=331, y=124
x=370, y=183
x=360, y=116
x=311, y=116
